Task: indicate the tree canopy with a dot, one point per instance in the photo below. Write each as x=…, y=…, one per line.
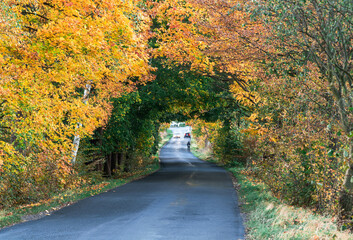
x=271, y=80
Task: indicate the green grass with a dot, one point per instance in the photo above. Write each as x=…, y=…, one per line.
x=28, y=212
x=200, y=153
x=166, y=137
x=268, y=218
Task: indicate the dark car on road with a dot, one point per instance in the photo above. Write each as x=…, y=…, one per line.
x=187, y=135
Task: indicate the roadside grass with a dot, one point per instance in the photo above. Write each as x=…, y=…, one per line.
x=40, y=209
x=34, y=211
x=204, y=154
x=169, y=132
x=268, y=218
x=166, y=136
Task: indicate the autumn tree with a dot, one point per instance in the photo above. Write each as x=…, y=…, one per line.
x=316, y=36
x=52, y=52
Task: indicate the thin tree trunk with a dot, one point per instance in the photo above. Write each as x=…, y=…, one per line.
x=122, y=162
x=120, y=157
x=207, y=137
x=127, y=164
x=114, y=160
x=77, y=138
x=108, y=165
x=345, y=201
x=347, y=182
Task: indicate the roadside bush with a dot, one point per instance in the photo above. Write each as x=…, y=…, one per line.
x=228, y=146
x=26, y=180
x=299, y=151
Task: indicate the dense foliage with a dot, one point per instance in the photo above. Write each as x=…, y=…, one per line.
x=85, y=85
x=61, y=62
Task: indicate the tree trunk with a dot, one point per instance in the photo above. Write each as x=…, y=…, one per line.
x=122, y=160
x=114, y=160
x=127, y=164
x=345, y=202
x=207, y=137
x=77, y=138
x=99, y=167
x=120, y=157
x=108, y=166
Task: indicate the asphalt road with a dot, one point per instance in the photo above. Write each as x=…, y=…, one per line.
x=187, y=199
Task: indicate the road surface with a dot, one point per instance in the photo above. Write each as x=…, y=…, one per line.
x=187, y=199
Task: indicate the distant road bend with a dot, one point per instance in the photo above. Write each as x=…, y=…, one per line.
x=187, y=199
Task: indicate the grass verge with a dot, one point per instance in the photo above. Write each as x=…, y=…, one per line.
x=268, y=218
x=166, y=136
x=40, y=209
x=34, y=211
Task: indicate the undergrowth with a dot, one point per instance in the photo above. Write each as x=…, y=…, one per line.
x=34, y=211
x=268, y=218
x=96, y=185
